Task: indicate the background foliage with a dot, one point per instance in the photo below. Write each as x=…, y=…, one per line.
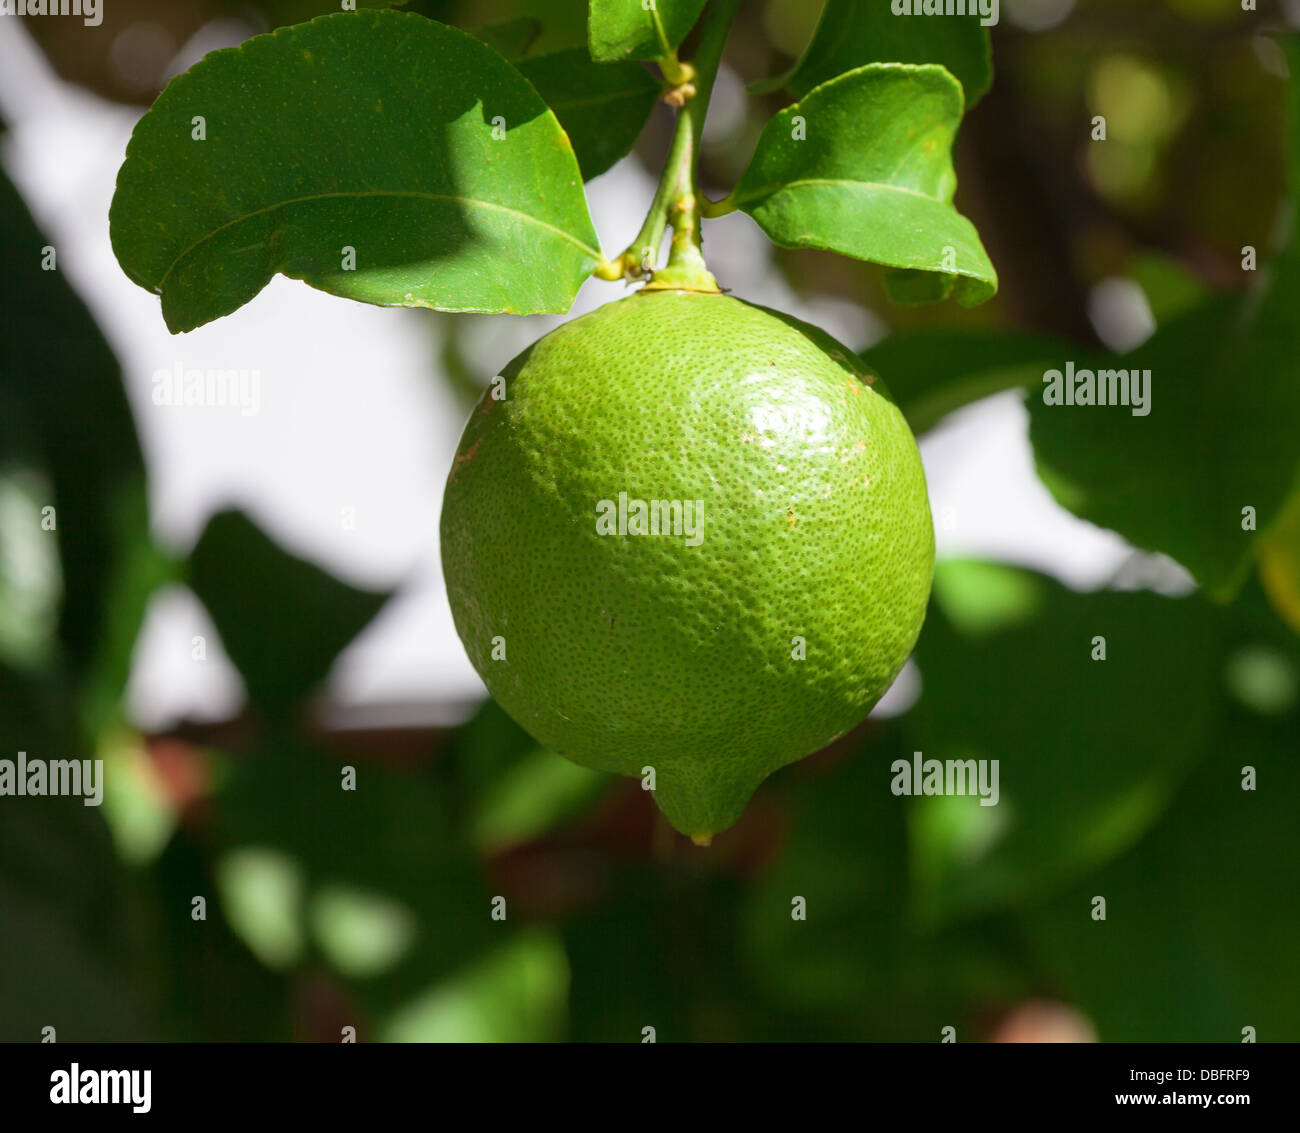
x=1120, y=779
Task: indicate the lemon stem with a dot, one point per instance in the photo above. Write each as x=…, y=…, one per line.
x=677, y=198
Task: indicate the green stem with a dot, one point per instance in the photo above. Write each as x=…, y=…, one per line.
x=686, y=268
x=712, y=209
x=677, y=198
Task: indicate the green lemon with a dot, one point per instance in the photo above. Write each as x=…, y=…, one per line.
x=687, y=534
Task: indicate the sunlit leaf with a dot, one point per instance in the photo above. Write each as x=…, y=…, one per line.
x=437, y=180
x=856, y=32
x=631, y=29
x=862, y=166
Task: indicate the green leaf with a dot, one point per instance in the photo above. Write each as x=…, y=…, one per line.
x=390, y=840
x=535, y=796
x=1220, y=433
x=1094, y=749
x=214, y=986
x=68, y=437
x=823, y=961
x=1279, y=563
x=855, y=32
x=863, y=166
x=1219, y=437
x=510, y=38
x=1201, y=917
x=602, y=106
x=933, y=373
x=53, y=402
x=859, y=959
x=66, y=947
x=282, y=620
x=1170, y=289
x=441, y=168
x=627, y=29
x=512, y=992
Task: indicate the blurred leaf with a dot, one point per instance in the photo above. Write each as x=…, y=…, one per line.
x=1221, y=433
x=65, y=945
x=514, y=993
x=847, y=860
x=856, y=32
x=1219, y=437
x=1089, y=751
x=860, y=964
x=661, y=950
x=30, y=579
x=392, y=841
x=935, y=372
x=282, y=620
x=488, y=747
x=510, y=38
x=514, y=790
x=261, y=893
x=442, y=170
x=1279, y=563
x=1201, y=916
x=66, y=419
x=361, y=934
x=1170, y=289
x=532, y=798
x=601, y=106
x=862, y=166
x=628, y=29
x=214, y=987
x=441, y=10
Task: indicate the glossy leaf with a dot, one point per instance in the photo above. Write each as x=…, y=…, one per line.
x=602, y=106
x=628, y=29
x=863, y=166
x=282, y=620
x=442, y=171
x=856, y=32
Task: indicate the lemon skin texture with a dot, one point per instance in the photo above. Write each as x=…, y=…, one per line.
x=713, y=664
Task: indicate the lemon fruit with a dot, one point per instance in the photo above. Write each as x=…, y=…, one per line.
x=691, y=535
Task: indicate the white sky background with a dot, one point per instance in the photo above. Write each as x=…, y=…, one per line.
x=354, y=415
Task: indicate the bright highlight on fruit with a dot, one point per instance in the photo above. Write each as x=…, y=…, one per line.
x=691, y=543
